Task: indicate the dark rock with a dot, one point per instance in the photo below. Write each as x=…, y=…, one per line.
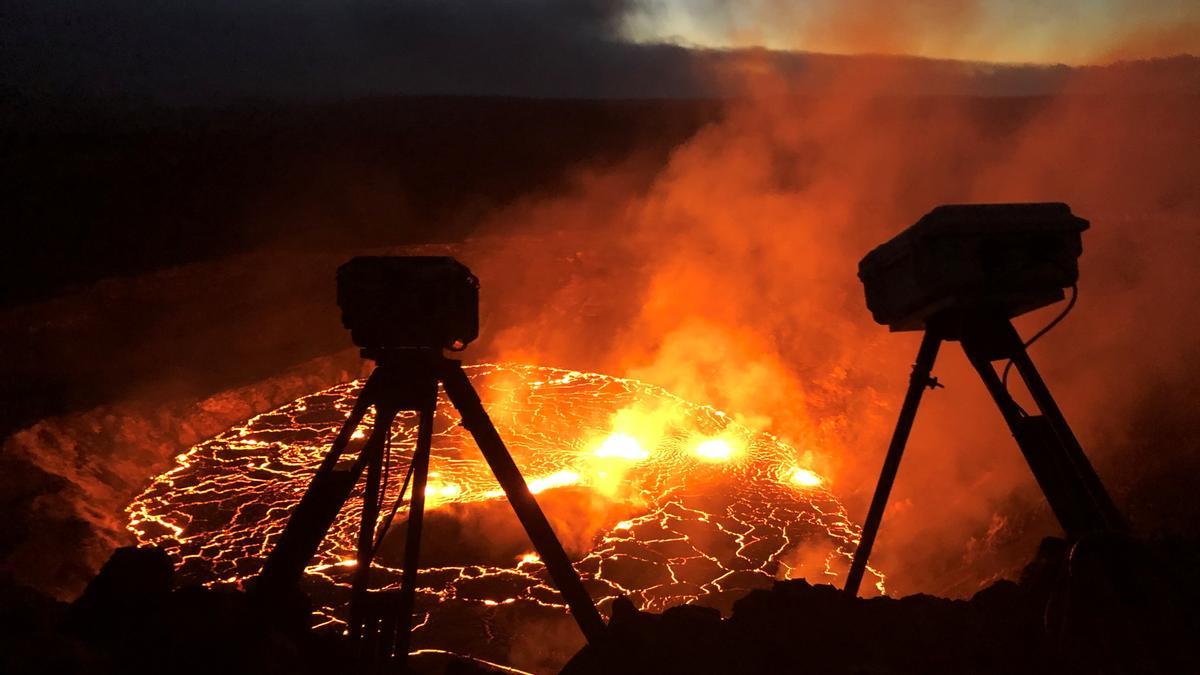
x=1104, y=605
x=31, y=641
x=692, y=618
x=1046, y=570
x=1113, y=617
x=129, y=620
x=129, y=591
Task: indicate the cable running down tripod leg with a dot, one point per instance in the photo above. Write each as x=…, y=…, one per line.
x=412, y=543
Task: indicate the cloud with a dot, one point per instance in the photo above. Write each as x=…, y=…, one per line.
x=191, y=51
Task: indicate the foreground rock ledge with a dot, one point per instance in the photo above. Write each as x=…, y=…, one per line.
x=1099, y=607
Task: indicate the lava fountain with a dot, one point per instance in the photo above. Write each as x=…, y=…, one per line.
x=654, y=498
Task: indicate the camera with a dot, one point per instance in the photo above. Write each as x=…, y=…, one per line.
x=1009, y=258
x=408, y=302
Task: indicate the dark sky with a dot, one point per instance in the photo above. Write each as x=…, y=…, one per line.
x=195, y=50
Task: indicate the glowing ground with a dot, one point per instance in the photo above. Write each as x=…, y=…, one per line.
x=656, y=498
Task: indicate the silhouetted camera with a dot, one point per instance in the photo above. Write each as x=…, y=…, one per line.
x=1010, y=258
x=408, y=302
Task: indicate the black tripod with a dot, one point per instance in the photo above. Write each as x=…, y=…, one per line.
x=1062, y=470
x=407, y=379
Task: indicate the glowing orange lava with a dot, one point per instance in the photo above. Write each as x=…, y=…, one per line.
x=622, y=446
x=714, y=450
x=657, y=499
x=806, y=478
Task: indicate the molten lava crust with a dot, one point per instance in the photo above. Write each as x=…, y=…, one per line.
x=655, y=498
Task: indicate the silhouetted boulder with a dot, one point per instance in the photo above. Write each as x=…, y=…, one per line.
x=796, y=627
x=1104, y=604
x=131, y=620
x=129, y=591
x=31, y=641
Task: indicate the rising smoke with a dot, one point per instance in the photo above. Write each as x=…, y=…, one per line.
x=731, y=280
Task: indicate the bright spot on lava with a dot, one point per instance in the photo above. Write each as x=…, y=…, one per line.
x=621, y=445
x=557, y=479
x=442, y=491
x=714, y=450
x=806, y=478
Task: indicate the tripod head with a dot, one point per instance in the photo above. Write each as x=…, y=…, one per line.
x=395, y=306
x=1000, y=260
x=961, y=273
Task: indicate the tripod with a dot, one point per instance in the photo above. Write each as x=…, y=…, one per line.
x=407, y=380
x=1059, y=465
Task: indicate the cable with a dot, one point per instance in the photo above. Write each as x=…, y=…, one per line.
x=387, y=522
x=387, y=463
x=1048, y=327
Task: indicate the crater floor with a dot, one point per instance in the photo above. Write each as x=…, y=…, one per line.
x=655, y=498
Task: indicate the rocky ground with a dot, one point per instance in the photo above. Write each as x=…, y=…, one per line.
x=1102, y=606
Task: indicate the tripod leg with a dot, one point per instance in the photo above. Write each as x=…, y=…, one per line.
x=1038, y=444
x=412, y=542
x=315, y=513
x=1107, y=511
x=917, y=382
x=476, y=420
x=372, y=458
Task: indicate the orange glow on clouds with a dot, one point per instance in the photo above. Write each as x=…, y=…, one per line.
x=1011, y=31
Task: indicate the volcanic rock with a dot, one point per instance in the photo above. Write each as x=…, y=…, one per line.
x=1099, y=606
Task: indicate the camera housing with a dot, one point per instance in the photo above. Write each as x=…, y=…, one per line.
x=1009, y=258
x=408, y=302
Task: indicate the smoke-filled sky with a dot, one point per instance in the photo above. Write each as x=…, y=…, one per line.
x=1011, y=31
x=206, y=50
